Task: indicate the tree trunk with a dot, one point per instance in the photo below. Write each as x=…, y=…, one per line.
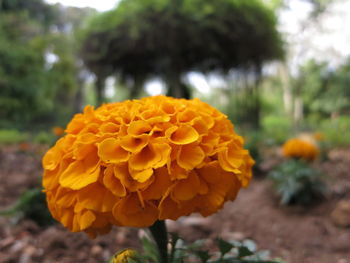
x=100, y=89
x=176, y=88
x=137, y=87
x=287, y=92
x=298, y=111
x=79, y=95
x=256, y=110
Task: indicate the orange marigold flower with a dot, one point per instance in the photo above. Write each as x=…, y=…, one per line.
x=135, y=162
x=58, y=131
x=300, y=148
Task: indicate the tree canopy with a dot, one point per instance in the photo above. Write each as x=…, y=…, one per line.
x=31, y=86
x=326, y=90
x=144, y=38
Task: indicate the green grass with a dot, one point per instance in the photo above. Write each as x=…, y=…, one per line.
x=337, y=131
x=12, y=136
x=44, y=137
x=276, y=129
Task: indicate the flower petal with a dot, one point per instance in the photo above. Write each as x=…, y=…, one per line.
x=169, y=209
x=130, y=212
x=139, y=127
x=185, y=134
x=110, y=151
x=81, y=173
x=141, y=176
x=187, y=188
x=159, y=186
x=51, y=159
x=190, y=156
x=121, y=171
x=86, y=219
x=105, y=201
x=113, y=183
x=134, y=144
x=152, y=156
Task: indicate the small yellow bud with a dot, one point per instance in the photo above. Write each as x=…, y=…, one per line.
x=124, y=256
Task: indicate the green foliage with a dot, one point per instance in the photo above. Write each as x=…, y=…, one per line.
x=22, y=88
x=227, y=252
x=44, y=138
x=31, y=205
x=150, y=250
x=324, y=89
x=336, y=131
x=34, y=89
x=296, y=182
x=142, y=39
x=36, y=9
x=12, y=136
x=254, y=142
x=276, y=128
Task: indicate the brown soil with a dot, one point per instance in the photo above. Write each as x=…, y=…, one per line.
x=295, y=234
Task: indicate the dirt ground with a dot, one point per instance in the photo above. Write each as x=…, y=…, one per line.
x=295, y=234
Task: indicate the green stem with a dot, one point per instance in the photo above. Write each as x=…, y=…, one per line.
x=160, y=235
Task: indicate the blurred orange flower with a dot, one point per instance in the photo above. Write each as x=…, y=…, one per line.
x=58, y=131
x=24, y=146
x=300, y=148
x=135, y=162
x=319, y=136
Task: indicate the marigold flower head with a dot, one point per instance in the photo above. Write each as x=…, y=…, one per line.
x=135, y=162
x=58, y=131
x=303, y=148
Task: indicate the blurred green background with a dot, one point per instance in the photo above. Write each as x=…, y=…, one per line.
x=255, y=60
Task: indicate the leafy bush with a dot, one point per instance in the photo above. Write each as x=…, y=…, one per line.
x=297, y=182
x=44, y=138
x=12, y=136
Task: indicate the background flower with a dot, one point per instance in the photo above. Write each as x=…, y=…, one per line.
x=58, y=131
x=135, y=162
x=303, y=147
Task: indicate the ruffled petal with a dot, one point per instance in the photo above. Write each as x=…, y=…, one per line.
x=130, y=212
x=185, y=134
x=81, y=173
x=187, y=188
x=110, y=151
x=190, y=156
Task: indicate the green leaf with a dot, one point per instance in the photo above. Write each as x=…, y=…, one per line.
x=150, y=249
x=174, y=237
x=203, y=255
x=179, y=256
x=243, y=251
x=224, y=246
x=198, y=244
x=297, y=182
